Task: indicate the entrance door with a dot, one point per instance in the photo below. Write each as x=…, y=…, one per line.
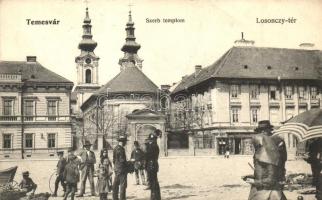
x=222, y=143
x=237, y=145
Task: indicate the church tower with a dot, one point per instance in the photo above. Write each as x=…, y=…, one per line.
x=130, y=48
x=86, y=64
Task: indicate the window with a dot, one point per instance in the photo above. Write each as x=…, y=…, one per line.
x=273, y=92
x=88, y=76
x=6, y=141
x=235, y=115
x=234, y=91
x=52, y=109
x=254, y=115
x=288, y=92
x=7, y=107
x=314, y=93
x=302, y=92
x=29, y=110
x=29, y=140
x=51, y=140
x=254, y=91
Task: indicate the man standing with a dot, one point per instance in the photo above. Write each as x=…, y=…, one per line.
x=137, y=156
x=71, y=174
x=60, y=170
x=86, y=166
x=315, y=159
x=269, y=165
x=120, y=169
x=152, y=165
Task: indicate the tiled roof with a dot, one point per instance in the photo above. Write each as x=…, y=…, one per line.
x=131, y=79
x=31, y=72
x=260, y=63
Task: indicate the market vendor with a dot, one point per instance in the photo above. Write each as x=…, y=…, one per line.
x=27, y=184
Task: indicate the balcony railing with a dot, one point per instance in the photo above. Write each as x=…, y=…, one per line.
x=10, y=77
x=44, y=118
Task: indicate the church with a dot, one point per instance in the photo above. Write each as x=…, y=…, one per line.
x=127, y=104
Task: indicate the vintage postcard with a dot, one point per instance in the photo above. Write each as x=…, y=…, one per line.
x=142, y=99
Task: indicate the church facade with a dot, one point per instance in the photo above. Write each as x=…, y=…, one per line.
x=127, y=104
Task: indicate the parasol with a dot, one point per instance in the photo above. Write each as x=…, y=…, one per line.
x=305, y=126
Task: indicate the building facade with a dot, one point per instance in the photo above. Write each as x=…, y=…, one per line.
x=35, y=118
x=220, y=105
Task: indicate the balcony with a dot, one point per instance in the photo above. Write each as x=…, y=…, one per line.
x=27, y=119
x=10, y=77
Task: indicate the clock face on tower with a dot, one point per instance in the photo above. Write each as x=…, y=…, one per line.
x=88, y=60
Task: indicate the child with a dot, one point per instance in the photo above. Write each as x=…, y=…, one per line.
x=27, y=185
x=71, y=175
x=104, y=174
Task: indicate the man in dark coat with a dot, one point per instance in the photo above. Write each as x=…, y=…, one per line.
x=60, y=170
x=138, y=157
x=120, y=169
x=71, y=175
x=152, y=165
x=315, y=160
x=269, y=165
x=86, y=166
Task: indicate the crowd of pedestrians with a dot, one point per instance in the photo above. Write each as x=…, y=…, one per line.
x=74, y=169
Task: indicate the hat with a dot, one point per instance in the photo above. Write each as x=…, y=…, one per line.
x=158, y=132
x=25, y=173
x=87, y=143
x=264, y=124
x=122, y=138
x=152, y=137
x=60, y=152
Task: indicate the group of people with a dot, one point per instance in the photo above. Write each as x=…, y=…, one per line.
x=74, y=169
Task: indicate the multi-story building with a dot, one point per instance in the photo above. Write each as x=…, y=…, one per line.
x=220, y=105
x=34, y=110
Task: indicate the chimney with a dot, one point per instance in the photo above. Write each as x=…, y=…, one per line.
x=198, y=69
x=308, y=46
x=244, y=42
x=165, y=87
x=31, y=59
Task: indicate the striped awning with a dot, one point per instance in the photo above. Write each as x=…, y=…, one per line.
x=305, y=126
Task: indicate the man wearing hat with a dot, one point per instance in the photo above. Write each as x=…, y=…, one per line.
x=86, y=166
x=60, y=170
x=152, y=165
x=120, y=169
x=269, y=165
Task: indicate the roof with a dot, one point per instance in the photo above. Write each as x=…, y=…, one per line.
x=32, y=72
x=260, y=63
x=130, y=79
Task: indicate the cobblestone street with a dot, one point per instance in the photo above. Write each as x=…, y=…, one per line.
x=189, y=178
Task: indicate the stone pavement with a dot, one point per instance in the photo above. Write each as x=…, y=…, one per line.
x=188, y=178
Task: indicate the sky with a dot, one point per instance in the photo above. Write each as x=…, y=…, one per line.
x=169, y=50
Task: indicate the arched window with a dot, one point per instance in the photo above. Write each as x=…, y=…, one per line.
x=88, y=76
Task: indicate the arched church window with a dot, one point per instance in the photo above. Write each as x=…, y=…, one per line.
x=88, y=76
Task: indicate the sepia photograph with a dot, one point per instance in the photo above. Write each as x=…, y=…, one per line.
x=160, y=100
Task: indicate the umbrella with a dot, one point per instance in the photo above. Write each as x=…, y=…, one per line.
x=305, y=126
